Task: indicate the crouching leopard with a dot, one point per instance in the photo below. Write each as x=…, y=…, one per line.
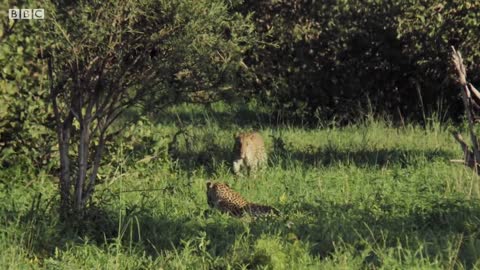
x=221, y=196
x=249, y=152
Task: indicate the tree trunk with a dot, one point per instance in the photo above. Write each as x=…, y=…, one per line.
x=82, y=163
x=64, y=145
x=63, y=129
x=96, y=164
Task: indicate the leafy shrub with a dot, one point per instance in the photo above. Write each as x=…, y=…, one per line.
x=336, y=59
x=24, y=112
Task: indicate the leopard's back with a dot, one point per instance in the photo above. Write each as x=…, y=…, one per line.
x=259, y=210
x=221, y=196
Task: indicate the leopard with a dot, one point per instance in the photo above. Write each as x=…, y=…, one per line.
x=249, y=152
x=224, y=198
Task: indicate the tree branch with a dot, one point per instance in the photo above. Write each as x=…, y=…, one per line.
x=471, y=157
x=8, y=31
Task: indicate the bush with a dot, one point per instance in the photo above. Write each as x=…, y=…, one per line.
x=336, y=59
x=24, y=112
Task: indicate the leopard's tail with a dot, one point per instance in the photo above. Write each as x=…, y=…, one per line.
x=260, y=210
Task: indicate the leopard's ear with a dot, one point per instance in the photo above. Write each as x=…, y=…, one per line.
x=209, y=184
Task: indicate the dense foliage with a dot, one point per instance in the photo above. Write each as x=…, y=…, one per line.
x=312, y=60
x=25, y=114
x=343, y=59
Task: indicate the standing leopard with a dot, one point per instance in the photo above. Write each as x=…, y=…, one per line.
x=221, y=196
x=249, y=152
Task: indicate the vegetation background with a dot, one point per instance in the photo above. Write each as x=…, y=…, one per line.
x=353, y=98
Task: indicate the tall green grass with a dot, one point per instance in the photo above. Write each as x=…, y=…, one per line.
x=365, y=196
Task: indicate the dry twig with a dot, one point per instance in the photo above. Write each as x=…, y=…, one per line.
x=471, y=99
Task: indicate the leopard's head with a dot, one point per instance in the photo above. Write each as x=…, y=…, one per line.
x=211, y=193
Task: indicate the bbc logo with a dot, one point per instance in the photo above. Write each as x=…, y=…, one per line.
x=26, y=14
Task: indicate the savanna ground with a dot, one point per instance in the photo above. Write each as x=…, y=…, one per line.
x=368, y=195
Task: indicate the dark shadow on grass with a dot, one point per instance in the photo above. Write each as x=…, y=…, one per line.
x=102, y=228
x=148, y=233
x=186, y=153
x=375, y=224
x=363, y=158
x=238, y=116
x=431, y=224
x=137, y=227
x=207, y=160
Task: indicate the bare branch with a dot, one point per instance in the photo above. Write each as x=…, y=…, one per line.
x=469, y=157
x=474, y=95
x=96, y=164
x=8, y=31
x=472, y=157
x=459, y=67
x=474, y=91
